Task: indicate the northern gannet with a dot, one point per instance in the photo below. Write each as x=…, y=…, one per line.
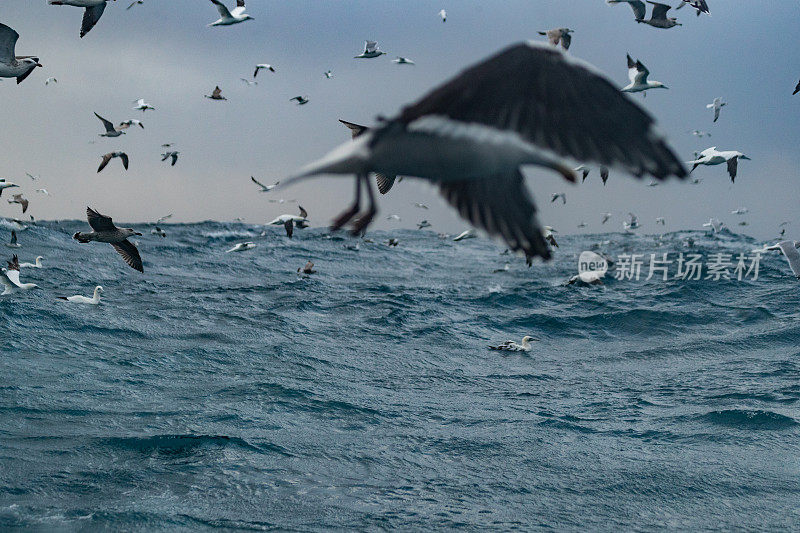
x=700, y=5
x=134, y=3
x=789, y=249
x=242, y=247
x=660, y=220
x=158, y=231
x=796, y=89
x=10, y=278
x=94, y=300
x=92, y=13
x=370, y=51
x=511, y=346
x=740, y=211
x=300, y=221
x=471, y=135
x=216, y=94
x=632, y=223
x=328, y=74
x=715, y=225
x=142, y=106
x=606, y=217
x=264, y=188
x=557, y=35
x=227, y=18
x=31, y=176
x=21, y=200
x=104, y=230
x=13, y=66
x=716, y=105
x=36, y=264
x=111, y=131
x=125, y=124
x=263, y=66
x=589, y=278
x=249, y=83
x=712, y=156
x=111, y=155
x=638, y=74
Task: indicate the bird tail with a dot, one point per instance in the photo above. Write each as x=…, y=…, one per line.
x=80, y=237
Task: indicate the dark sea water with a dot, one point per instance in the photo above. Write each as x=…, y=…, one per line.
x=224, y=391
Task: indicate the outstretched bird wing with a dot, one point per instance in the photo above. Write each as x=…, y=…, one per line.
x=8, y=41
x=659, y=10
x=99, y=222
x=130, y=254
x=733, y=165
x=223, y=11
x=104, y=162
x=124, y=158
x=554, y=102
x=91, y=16
x=108, y=125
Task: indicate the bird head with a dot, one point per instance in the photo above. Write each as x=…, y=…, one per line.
x=248, y=17
x=659, y=85
x=742, y=156
x=34, y=61
x=98, y=289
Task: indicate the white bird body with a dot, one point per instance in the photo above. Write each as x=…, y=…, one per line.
x=9, y=278
x=716, y=105
x=370, y=51
x=94, y=300
x=712, y=156
x=228, y=18
x=638, y=74
x=443, y=15
x=37, y=264
x=141, y=105
x=740, y=211
x=263, y=66
x=242, y=247
x=511, y=346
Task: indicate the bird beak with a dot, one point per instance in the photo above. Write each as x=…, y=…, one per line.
x=39, y=65
x=744, y=157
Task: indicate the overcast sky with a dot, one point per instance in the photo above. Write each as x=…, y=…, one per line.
x=163, y=52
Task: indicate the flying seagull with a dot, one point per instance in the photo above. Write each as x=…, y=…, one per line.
x=6, y=185
x=164, y=218
x=249, y=83
x=700, y=5
x=111, y=155
x=12, y=66
x=403, y=61
x=557, y=195
x=216, y=94
x=511, y=346
x=740, y=211
x=263, y=66
x=661, y=220
x=301, y=100
x=443, y=15
x=264, y=188
x=638, y=74
x=142, y=106
x=50, y=80
x=111, y=131
x=383, y=181
x=712, y=156
x=104, y=230
x=21, y=200
x=228, y=18
x=13, y=243
x=658, y=18
x=94, y=10
x=557, y=35
x=94, y=300
x=789, y=249
x=125, y=124
x=9, y=278
x=134, y=3
x=716, y=105
x=328, y=74
x=173, y=155
x=370, y=50
x=714, y=224
x=504, y=105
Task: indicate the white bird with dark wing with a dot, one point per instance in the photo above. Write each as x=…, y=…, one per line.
x=370, y=51
x=216, y=94
x=9, y=278
x=715, y=225
x=300, y=221
x=21, y=200
x=167, y=155
x=6, y=185
x=94, y=300
x=93, y=12
x=661, y=220
x=559, y=35
x=328, y=74
x=111, y=131
x=383, y=181
x=700, y=5
x=158, y=231
x=264, y=188
x=740, y=211
x=242, y=247
x=104, y=230
x=36, y=264
x=111, y=155
x=443, y=15
x=142, y=106
x=712, y=156
x=511, y=346
x=638, y=74
x=717, y=106
x=548, y=236
x=13, y=243
x=471, y=135
x=789, y=249
x=13, y=66
x=125, y=124
x=263, y=66
x=228, y=18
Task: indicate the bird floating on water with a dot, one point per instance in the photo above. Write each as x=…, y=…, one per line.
x=511, y=346
x=111, y=155
x=21, y=200
x=263, y=66
x=466, y=234
x=242, y=247
x=638, y=74
x=9, y=278
x=111, y=131
x=216, y=94
x=92, y=13
x=307, y=269
x=94, y=300
x=142, y=106
x=712, y=156
x=559, y=35
x=370, y=51
x=716, y=105
x=36, y=264
x=632, y=223
x=504, y=105
x=424, y=224
x=228, y=18
x=11, y=65
x=104, y=230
